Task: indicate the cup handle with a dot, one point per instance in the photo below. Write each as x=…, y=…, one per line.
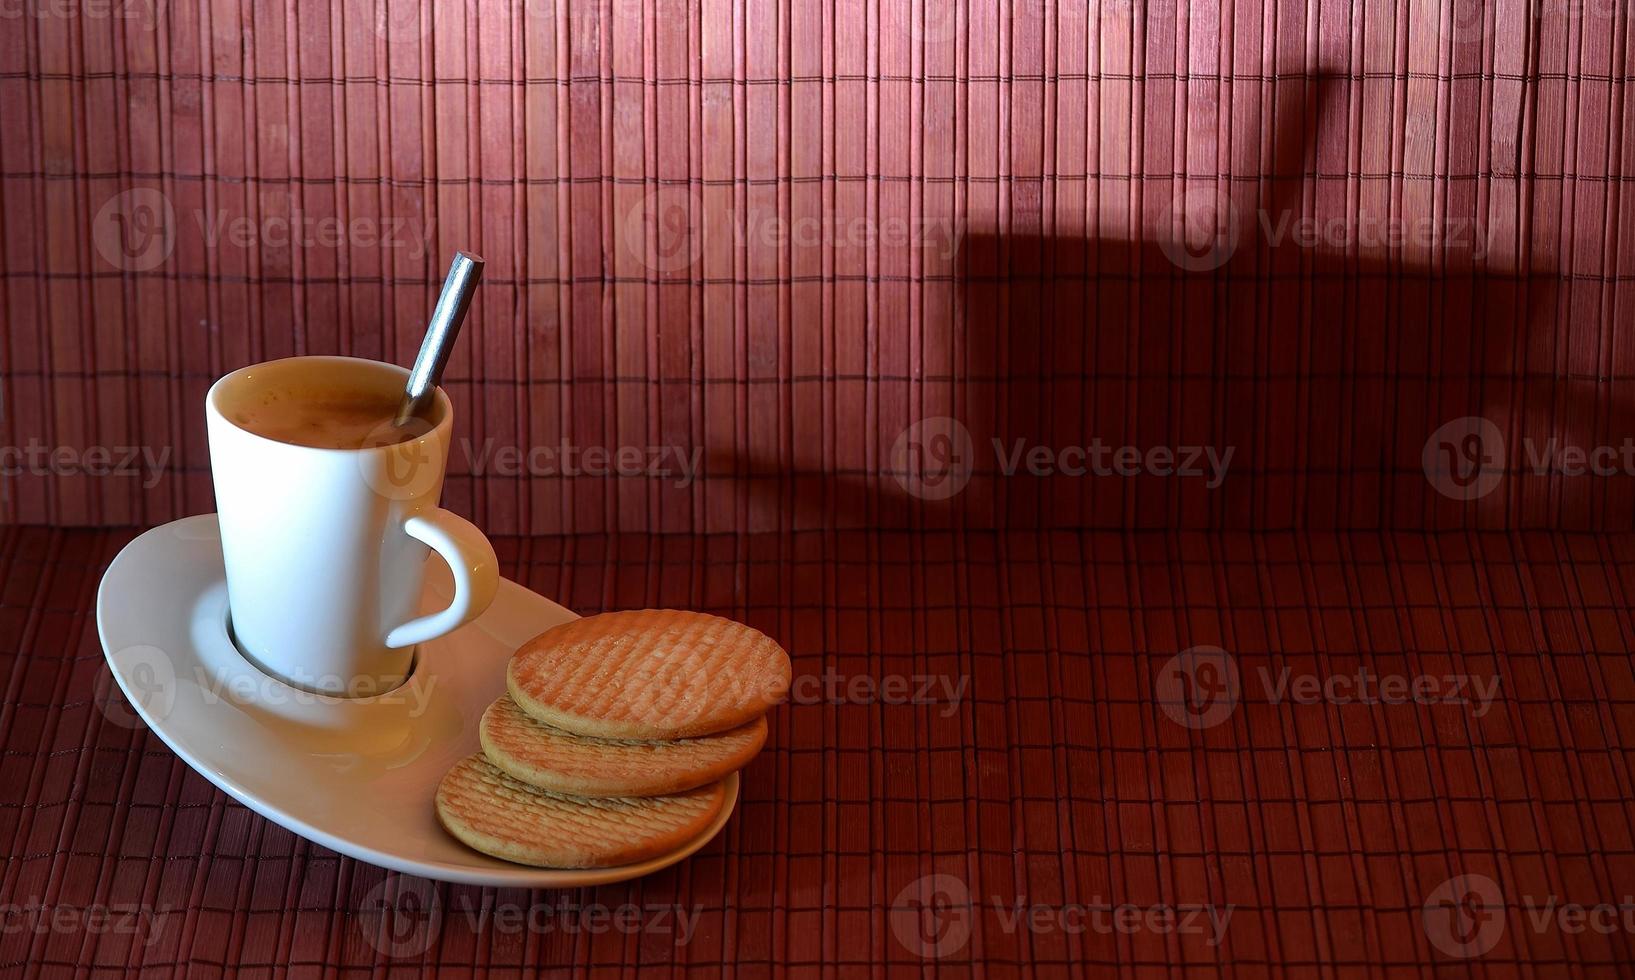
x=476, y=575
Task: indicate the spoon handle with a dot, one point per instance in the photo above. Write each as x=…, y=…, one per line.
x=446, y=317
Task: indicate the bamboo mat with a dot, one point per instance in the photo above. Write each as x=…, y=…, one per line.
x=772, y=238
x=988, y=824
x=781, y=300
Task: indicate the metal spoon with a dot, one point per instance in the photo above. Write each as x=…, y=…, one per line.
x=446, y=317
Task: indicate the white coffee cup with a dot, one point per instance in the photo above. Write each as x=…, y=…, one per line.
x=325, y=549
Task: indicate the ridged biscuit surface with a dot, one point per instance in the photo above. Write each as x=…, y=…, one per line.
x=649, y=674
x=561, y=762
x=503, y=817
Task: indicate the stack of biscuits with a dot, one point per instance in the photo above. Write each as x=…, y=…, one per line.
x=612, y=742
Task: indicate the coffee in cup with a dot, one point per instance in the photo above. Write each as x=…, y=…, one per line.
x=325, y=416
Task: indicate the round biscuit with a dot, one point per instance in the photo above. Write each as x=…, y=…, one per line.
x=491, y=812
x=648, y=674
x=562, y=762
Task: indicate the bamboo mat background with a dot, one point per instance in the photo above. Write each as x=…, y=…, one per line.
x=1058, y=775
x=816, y=246
x=777, y=235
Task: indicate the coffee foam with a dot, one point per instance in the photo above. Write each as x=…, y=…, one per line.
x=323, y=416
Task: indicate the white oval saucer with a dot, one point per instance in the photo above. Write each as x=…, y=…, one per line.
x=355, y=775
